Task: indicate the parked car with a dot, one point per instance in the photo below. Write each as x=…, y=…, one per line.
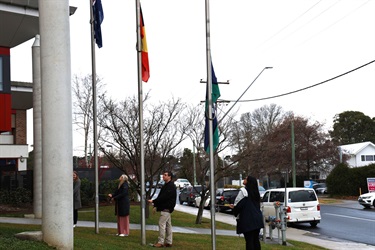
x=189, y=193
x=154, y=183
x=320, y=188
x=181, y=183
x=225, y=197
x=302, y=204
x=198, y=200
x=160, y=184
x=367, y=200
x=262, y=190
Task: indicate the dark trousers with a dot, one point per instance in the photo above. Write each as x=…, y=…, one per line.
x=75, y=216
x=252, y=240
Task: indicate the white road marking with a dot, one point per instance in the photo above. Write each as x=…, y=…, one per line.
x=350, y=217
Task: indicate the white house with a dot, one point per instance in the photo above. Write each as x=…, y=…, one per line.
x=361, y=154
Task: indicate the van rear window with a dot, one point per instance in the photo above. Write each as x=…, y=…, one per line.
x=302, y=195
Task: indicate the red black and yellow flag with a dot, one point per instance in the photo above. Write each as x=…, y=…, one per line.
x=145, y=66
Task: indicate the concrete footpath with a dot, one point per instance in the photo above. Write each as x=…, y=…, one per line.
x=291, y=233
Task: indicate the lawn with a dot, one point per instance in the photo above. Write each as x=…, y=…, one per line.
x=86, y=238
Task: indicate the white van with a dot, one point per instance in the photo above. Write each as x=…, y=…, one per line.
x=302, y=204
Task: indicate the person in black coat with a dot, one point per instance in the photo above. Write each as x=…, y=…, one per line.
x=165, y=203
x=122, y=205
x=249, y=216
x=76, y=197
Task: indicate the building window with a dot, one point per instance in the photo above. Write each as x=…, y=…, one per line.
x=367, y=157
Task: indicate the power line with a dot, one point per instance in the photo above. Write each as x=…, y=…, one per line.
x=289, y=24
x=308, y=87
x=334, y=23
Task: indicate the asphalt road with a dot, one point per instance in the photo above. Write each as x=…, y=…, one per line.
x=348, y=221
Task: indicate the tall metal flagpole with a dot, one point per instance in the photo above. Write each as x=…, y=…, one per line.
x=141, y=143
x=93, y=76
x=210, y=125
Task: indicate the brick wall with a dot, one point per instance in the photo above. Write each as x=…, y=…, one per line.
x=20, y=130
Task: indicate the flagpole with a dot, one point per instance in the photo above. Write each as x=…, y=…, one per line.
x=210, y=125
x=93, y=76
x=140, y=106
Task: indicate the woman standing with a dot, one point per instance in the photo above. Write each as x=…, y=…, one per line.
x=249, y=216
x=122, y=205
x=76, y=197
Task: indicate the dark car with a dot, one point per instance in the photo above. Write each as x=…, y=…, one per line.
x=320, y=188
x=188, y=194
x=225, y=197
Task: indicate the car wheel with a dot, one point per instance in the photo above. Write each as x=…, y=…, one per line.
x=366, y=206
x=181, y=202
x=313, y=224
x=373, y=203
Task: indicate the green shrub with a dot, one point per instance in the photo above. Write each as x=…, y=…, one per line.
x=339, y=179
x=87, y=192
x=16, y=197
x=345, y=181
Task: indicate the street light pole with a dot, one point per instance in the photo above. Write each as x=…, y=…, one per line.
x=243, y=94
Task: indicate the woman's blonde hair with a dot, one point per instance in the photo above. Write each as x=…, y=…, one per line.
x=124, y=179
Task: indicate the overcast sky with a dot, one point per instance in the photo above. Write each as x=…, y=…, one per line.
x=306, y=42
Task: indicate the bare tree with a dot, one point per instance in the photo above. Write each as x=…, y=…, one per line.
x=164, y=130
x=195, y=120
x=248, y=137
x=83, y=105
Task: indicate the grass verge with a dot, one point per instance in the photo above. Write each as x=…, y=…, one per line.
x=86, y=238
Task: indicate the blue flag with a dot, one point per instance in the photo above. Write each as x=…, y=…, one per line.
x=215, y=96
x=98, y=19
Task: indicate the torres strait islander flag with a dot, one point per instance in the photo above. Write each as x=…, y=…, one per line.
x=145, y=66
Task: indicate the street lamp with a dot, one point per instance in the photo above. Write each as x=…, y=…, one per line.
x=243, y=93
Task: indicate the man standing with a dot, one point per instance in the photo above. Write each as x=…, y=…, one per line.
x=165, y=203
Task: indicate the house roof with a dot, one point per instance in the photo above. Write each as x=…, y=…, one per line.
x=355, y=148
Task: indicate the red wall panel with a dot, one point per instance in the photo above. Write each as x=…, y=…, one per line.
x=5, y=112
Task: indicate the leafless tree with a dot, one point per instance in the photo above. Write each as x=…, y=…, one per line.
x=196, y=122
x=83, y=105
x=248, y=137
x=164, y=130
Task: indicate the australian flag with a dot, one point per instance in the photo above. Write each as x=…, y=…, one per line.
x=98, y=19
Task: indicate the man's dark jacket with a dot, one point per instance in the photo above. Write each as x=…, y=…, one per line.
x=166, y=199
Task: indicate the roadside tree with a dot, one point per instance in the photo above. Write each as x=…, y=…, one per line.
x=164, y=130
x=353, y=127
x=83, y=107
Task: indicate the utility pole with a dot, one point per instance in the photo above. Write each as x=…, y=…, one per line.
x=293, y=155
